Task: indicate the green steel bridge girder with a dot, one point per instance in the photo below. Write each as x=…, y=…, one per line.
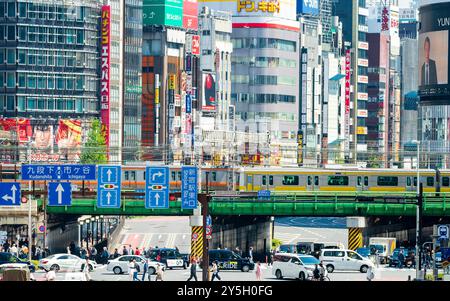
x=255, y=207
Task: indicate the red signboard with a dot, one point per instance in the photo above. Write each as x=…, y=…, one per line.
x=106, y=64
x=196, y=45
x=190, y=15
x=348, y=62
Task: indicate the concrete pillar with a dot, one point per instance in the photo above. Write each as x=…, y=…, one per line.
x=355, y=227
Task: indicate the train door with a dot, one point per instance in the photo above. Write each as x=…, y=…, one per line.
x=362, y=183
x=249, y=182
x=267, y=182
x=410, y=183
x=312, y=183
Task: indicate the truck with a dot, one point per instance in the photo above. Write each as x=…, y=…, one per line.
x=384, y=246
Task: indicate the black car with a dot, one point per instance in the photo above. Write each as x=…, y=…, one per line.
x=170, y=257
x=228, y=260
x=407, y=253
x=10, y=258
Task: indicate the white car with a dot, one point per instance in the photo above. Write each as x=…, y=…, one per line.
x=344, y=260
x=287, y=265
x=66, y=262
x=120, y=264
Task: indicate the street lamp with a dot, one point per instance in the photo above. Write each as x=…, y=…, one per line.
x=417, y=142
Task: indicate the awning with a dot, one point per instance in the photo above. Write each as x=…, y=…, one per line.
x=337, y=77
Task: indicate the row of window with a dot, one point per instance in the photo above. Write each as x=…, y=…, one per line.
x=175, y=176
x=262, y=43
x=262, y=98
x=263, y=62
x=272, y=115
x=44, y=11
x=264, y=80
x=44, y=34
x=48, y=81
x=42, y=104
x=31, y=57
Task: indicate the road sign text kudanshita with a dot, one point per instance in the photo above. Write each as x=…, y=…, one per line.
x=58, y=172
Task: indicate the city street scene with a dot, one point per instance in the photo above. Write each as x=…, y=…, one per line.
x=224, y=140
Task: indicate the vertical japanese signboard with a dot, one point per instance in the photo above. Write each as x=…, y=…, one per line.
x=105, y=67
x=348, y=60
x=190, y=14
x=195, y=47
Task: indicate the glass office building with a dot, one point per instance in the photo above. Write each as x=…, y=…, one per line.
x=49, y=59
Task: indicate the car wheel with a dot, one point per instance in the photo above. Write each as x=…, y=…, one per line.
x=151, y=271
x=330, y=268
x=302, y=276
x=364, y=269
x=117, y=270
x=245, y=268
x=278, y=274
x=55, y=267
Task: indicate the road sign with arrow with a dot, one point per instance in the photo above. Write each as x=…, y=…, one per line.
x=59, y=194
x=108, y=189
x=9, y=194
x=157, y=187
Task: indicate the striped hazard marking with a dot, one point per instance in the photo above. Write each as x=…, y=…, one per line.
x=197, y=242
x=355, y=238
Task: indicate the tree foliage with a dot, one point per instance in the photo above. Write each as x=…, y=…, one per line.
x=94, y=151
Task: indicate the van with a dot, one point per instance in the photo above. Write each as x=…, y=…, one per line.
x=344, y=260
x=293, y=266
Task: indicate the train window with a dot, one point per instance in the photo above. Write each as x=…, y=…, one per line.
x=359, y=181
x=290, y=180
x=445, y=181
x=214, y=176
x=309, y=180
x=316, y=180
x=179, y=176
x=270, y=180
x=387, y=181
x=127, y=175
x=144, y=175
x=173, y=176
x=408, y=181
x=264, y=180
x=430, y=181
x=415, y=181
x=366, y=181
x=338, y=180
x=133, y=176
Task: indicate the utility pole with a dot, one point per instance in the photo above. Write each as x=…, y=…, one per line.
x=419, y=229
x=204, y=200
x=30, y=223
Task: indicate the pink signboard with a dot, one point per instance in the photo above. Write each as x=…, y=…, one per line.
x=190, y=15
x=105, y=67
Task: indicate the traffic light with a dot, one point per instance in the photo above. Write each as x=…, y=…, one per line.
x=109, y=186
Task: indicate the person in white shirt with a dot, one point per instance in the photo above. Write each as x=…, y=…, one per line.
x=51, y=275
x=14, y=250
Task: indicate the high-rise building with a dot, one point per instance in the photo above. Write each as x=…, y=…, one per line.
x=326, y=18
x=353, y=15
x=49, y=74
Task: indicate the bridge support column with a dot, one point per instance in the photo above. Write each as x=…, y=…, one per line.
x=355, y=227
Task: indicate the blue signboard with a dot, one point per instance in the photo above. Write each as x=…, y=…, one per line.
x=308, y=7
x=9, y=194
x=189, y=187
x=156, y=187
x=264, y=195
x=108, y=187
x=188, y=103
x=59, y=194
x=208, y=221
x=58, y=172
x=443, y=232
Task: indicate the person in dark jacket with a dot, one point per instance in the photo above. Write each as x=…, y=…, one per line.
x=193, y=270
x=104, y=256
x=116, y=253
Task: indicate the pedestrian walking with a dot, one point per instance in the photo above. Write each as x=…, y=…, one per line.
x=133, y=270
x=145, y=270
x=86, y=270
x=130, y=250
x=105, y=256
x=116, y=253
x=401, y=259
x=258, y=271
x=93, y=253
x=159, y=272
x=14, y=250
x=215, y=271
x=250, y=254
x=68, y=250
x=370, y=275
x=237, y=251
x=323, y=271
x=137, y=252
x=193, y=270
x=316, y=273
x=124, y=250
x=51, y=275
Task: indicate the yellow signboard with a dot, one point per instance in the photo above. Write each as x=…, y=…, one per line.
x=157, y=96
x=172, y=80
x=362, y=130
x=261, y=6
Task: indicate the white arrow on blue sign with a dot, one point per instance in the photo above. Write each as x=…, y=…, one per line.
x=59, y=194
x=157, y=187
x=108, y=186
x=9, y=194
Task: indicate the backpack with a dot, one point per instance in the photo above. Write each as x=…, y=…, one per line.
x=138, y=269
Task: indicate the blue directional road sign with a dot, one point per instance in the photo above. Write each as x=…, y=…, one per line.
x=443, y=231
x=189, y=187
x=58, y=172
x=156, y=187
x=59, y=194
x=9, y=194
x=108, y=186
x=264, y=195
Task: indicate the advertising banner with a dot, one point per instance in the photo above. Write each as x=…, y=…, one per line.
x=308, y=7
x=195, y=45
x=348, y=61
x=209, y=92
x=163, y=12
x=434, y=39
x=105, y=68
x=190, y=14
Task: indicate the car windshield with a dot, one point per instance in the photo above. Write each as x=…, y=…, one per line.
x=287, y=248
x=379, y=248
x=363, y=251
x=309, y=260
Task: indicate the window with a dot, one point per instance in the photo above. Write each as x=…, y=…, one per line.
x=214, y=176
x=264, y=180
x=10, y=103
x=31, y=81
x=41, y=82
x=445, y=181
x=11, y=33
x=290, y=180
x=309, y=180
x=31, y=103
x=22, y=56
x=51, y=82
x=59, y=83
x=359, y=182
x=133, y=173
x=173, y=176
x=316, y=180
x=21, y=78
x=408, y=181
x=270, y=180
x=21, y=103
x=338, y=180
x=430, y=181
x=10, y=56
x=10, y=79
x=387, y=181
x=366, y=181
x=127, y=176
x=11, y=9
x=22, y=10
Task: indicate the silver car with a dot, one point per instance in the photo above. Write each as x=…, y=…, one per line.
x=120, y=264
x=66, y=262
